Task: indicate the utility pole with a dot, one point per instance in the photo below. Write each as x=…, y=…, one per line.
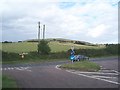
x=38, y=32
x=43, y=32
x=38, y=35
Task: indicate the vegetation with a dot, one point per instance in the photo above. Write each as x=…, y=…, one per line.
x=35, y=57
x=32, y=57
x=33, y=46
x=43, y=47
x=108, y=51
x=13, y=58
x=8, y=82
x=59, y=50
x=19, y=47
x=82, y=66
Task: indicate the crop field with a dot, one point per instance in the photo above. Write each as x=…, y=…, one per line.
x=32, y=46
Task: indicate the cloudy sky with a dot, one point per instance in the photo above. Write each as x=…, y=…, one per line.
x=94, y=21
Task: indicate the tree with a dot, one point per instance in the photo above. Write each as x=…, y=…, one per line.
x=43, y=47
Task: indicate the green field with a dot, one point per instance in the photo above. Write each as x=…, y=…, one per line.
x=32, y=46
x=19, y=47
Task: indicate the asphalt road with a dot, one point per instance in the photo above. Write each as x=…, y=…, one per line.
x=47, y=75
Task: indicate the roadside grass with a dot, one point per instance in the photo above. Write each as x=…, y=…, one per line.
x=31, y=61
x=8, y=82
x=82, y=66
x=32, y=57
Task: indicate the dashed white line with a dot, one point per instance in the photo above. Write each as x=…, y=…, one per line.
x=5, y=68
x=16, y=68
x=8, y=68
x=29, y=70
x=12, y=68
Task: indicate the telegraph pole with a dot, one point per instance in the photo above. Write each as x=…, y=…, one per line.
x=43, y=32
x=38, y=35
x=38, y=32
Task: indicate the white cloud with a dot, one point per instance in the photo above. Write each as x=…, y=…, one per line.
x=85, y=20
x=97, y=31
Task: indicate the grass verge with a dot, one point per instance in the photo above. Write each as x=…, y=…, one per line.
x=8, y=82
x=82, y=66
x=32, y=61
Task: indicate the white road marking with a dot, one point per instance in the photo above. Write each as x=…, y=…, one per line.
x=12, y=68
x=5, y=68
x=16, y=68
x=98, y=78
x=110, y=71
x=57, y=67
x=115, y=71
x=102, y=76
x=29, y=70
x=26, y=67
x=99, y=73
x=8, y=68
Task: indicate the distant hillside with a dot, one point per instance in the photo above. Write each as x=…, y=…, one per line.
x=61, y=40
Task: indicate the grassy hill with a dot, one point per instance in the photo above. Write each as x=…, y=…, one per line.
x=62, y=40
x=56, y=45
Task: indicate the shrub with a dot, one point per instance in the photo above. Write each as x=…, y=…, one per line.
x=10, y=56
x=112, y=49
x=43, y=47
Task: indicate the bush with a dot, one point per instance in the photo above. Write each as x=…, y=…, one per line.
x=10, y=56
x=112, y=49
x=43, y=47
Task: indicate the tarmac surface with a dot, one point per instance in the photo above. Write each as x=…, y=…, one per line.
x=49, y=75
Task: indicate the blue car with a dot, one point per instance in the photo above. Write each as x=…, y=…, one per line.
x=78, y=57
